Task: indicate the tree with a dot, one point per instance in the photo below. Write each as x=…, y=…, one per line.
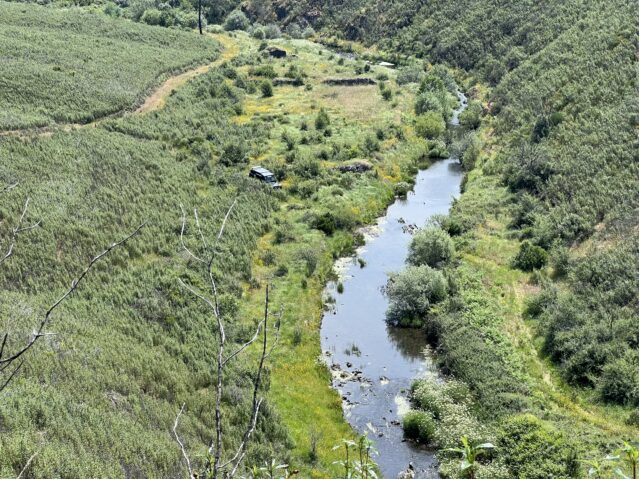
x=236, y=20
x=427, y=101
x=470, y=118
x=432, y=247
x=218, y=463
x=469, y=454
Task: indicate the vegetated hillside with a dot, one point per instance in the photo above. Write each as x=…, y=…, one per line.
x=65, y=65
x=548, y=246
x=487, y=36
x=574, y=165
x=99, y=396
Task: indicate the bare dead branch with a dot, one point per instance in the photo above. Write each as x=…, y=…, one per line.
x=199, y=228
x=188, y=251
x=26, y=466
x=246, y=344
x=257, y=402
x=16, y=230
x=214, y=466
x=40, y=331
x=179, y=441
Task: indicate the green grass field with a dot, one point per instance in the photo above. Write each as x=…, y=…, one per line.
x=71, y=66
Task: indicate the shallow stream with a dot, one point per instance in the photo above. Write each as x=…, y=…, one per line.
x=373, y=365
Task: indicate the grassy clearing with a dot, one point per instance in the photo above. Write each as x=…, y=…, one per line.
x=311, y=411
x=70, y=66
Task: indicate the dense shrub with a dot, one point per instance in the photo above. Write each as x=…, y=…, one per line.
x=410, y=74
x=326, y=222
x=431, y=246
x=430, y=125
x=619, y=381
x=470, y=118
x=530, y=257
x=322, y=120
x=412, y=293
x=419, y=425
x=266, y=87
x=532, y=449
x=233, y=154
x=401, y=189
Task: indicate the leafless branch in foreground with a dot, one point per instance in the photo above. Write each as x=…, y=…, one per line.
x=26, y=466
x=179, y=441
x=8, y=361
x=219, y=463
x=17, y=229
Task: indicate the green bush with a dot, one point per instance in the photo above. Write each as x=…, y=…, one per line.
x=532, y=449
x=530, y=257
x=427, y=102
x=430, y=125
x=233, y=154
x=431, y=246
x=322, y=120
x=410, y=74
x=419, y=425
x=470, y=118
x=326, y=222
x=619, y=382
x=401, y=189
x=412, y=293
x=266, y=87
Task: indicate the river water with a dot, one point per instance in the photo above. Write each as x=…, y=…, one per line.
x=373, y=365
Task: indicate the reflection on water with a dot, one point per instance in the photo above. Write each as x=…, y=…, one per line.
x=373, y=365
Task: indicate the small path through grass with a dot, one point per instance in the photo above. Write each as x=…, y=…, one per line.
x=157, y=99
x=154, y=101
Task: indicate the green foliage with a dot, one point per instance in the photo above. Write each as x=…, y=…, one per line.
x=266, y=71
x=326, y=223
x=236, y=20
x=430, y=125
x=532, y=449
x=431, y=246
x=419, y=425
x=233, y=154
x=470, y=118
x=322, y=120
x=619, y=381
x=410, y=74
x=469, y=454
x=266, y=87
x=412, y=293
x=402, y=188
x=530, y=257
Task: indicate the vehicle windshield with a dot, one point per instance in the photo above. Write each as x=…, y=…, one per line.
x=270, y=179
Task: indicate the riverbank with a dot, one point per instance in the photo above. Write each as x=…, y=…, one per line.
x=297, y=259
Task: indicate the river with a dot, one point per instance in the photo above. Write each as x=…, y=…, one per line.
x=373, y=365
